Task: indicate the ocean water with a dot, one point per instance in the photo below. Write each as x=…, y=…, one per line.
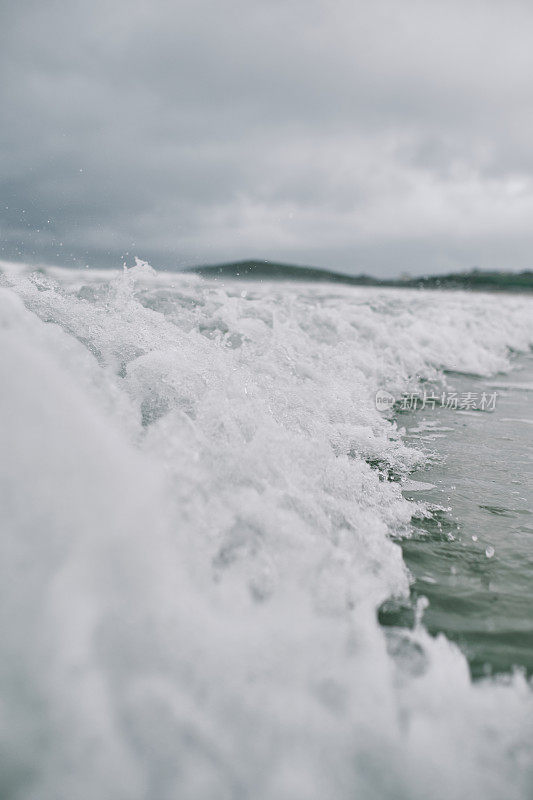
x=472, y=557
x=214, y=570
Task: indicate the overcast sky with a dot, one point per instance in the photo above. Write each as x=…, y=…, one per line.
x=379, y=136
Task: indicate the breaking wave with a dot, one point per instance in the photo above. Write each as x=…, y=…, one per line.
x=196, y=537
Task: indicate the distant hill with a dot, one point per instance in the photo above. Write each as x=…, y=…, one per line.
x=477, y=279
x=272, y=270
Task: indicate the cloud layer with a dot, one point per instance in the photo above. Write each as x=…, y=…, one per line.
x=368, y=136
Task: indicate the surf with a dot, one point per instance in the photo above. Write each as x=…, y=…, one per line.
x=201, y=509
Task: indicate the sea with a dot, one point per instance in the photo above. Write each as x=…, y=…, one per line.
x=229, y=569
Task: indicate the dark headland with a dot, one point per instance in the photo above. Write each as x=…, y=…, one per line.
x=272, y=270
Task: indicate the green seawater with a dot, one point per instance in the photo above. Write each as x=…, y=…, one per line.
x=472, y=557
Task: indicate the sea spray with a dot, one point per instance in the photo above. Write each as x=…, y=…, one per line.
x=197, y=500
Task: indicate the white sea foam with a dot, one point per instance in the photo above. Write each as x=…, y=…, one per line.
x=196, y=533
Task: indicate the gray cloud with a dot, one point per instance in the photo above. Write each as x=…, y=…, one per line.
x=377, y=136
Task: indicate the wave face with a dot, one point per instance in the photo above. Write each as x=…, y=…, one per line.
x=196, y=540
